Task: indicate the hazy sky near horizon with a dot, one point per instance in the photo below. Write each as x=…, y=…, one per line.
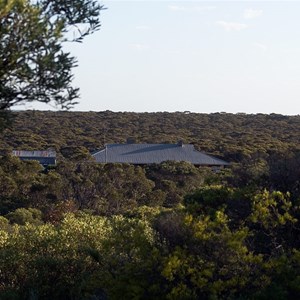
x=199, y=56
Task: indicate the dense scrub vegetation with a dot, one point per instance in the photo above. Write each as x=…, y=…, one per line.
x=82, y=230
x=233, y=136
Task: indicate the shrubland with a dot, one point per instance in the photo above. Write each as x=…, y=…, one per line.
x=81, y=230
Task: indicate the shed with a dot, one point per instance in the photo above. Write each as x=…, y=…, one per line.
x=44, y=157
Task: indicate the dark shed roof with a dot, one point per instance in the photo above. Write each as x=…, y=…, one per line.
x=154, y=153
x=45, y=161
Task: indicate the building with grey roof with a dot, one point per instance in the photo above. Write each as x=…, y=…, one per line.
x=142, y=154
x=45, y=158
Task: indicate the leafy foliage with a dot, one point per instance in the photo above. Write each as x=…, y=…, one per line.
x=33, y=64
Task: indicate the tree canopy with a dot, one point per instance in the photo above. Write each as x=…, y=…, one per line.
x=33, y=64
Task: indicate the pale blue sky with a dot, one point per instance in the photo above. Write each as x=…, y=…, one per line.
x=199, y=56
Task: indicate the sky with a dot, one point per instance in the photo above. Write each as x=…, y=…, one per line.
x=198, y=56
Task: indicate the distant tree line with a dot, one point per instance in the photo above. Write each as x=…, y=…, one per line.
x=233, y=136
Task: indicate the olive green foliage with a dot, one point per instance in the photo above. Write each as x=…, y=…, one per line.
x=150, y=254
x=104, y=189
x=22, y=216
x=236, y=137
x=82, y=230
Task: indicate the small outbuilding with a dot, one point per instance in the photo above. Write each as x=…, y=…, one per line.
x=45, y=158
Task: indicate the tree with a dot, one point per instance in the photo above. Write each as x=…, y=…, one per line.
x=33, y=64
x=22, y=216
x=213, y=262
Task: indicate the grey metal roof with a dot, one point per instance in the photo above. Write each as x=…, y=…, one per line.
x=44, y=157
x=154, y=153
x=34, y=153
